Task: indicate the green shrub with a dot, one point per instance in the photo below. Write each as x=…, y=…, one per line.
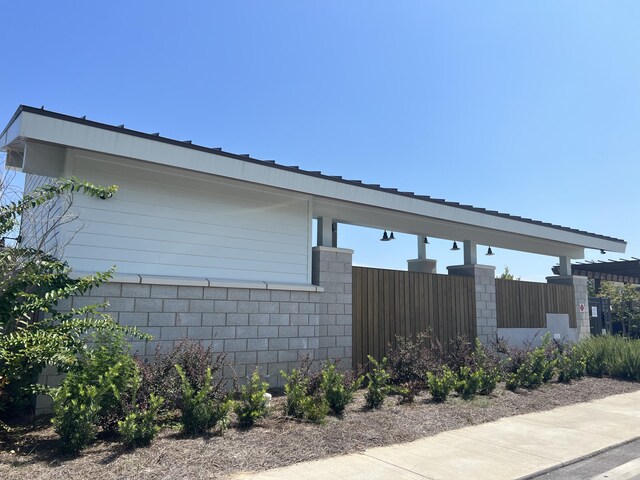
x=253, y=403
x=468, y=382
x=531, y=368
x=611, y=355
x=489, y=379
x=595, y=352
x=441, y=384
x=140, y=426
x=199, y=411
x=317, y=408
x=108, y=359
x=512, y=382
x=338, y=387
x=571, y=365
x=34, y=333
x=76, y=408
x=377, y=383
x=303, y=401
x=92, y=393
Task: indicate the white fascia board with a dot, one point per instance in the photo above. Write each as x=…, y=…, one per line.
x=53, y=130
x=11, y=134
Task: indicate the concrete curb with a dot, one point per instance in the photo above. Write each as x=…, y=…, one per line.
x=577, y=459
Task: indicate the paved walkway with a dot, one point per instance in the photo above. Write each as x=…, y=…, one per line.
x=510, y=448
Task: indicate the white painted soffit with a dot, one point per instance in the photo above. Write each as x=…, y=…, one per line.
x=349, y=203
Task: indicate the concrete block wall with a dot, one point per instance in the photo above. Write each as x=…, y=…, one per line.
x=581, y=292
x=486, y=311
x=332, y=270
x=254, y=323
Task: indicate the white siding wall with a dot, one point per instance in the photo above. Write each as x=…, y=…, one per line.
x=172, y=222
x=37, y=225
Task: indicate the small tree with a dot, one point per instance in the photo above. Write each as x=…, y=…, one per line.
x=33, y=333
x=625, y=305
x=507, y=275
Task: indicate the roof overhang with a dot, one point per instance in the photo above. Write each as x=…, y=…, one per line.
x=345, y=201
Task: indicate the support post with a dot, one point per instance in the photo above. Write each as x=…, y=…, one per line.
x=327, y=232
x=422, y=263
x=332, y=270
x=485, y=298
x=470, y=253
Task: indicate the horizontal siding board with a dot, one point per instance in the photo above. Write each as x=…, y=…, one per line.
x=166, y=223
x=192, y=250
x=131, y=233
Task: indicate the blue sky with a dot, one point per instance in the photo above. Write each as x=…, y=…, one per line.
x=530, y=108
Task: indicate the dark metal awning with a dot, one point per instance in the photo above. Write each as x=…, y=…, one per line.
x=626, y=271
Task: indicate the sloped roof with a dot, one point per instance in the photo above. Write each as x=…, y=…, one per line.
x=272, y=164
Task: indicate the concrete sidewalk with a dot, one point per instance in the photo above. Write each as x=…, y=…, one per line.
x=510, y=448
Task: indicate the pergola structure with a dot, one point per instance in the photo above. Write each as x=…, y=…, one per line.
x=623, y=271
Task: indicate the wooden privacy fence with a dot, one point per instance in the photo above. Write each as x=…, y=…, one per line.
x=390, y=303
x=525, y=304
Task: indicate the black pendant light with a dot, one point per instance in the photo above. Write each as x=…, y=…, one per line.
x=490, y=252
x=455, y=247
x=385, y=237
x=391, y=237
x=425, y=241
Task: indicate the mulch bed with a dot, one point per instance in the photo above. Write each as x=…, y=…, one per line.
x=279, y=441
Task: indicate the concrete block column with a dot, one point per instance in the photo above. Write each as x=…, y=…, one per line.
x=422, y=265
x=581, y=292
x=485, y=281
x=332, y=270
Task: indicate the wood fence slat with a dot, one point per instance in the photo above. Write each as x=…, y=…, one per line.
x=525, y=304
x=389, y=303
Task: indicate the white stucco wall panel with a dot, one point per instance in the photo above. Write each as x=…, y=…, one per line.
x=162, y=222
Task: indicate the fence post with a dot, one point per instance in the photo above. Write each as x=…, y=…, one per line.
x=485, y=298
x=581, y=293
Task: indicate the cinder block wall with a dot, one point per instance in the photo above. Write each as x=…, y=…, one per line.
x=486, y=311
x=255, y=323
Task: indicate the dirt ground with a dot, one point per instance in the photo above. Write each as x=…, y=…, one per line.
x=278, y=441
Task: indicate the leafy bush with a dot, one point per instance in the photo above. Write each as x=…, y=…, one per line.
x=140, y=426
x=530, y=368
x=571, y=365
x=411, y=359
x=199, y=411
x=76, y=407
x=303, y=400
x=408, y=390
x=461, y=354
x=512, y=382
x=253, y=403
x=377, y=383
x=33, y=333
x=91, y=394
x=161, y=377
x=441, y=384
x=108, y=360
x=489, y=379
x=468, y=382
x=338, y=387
